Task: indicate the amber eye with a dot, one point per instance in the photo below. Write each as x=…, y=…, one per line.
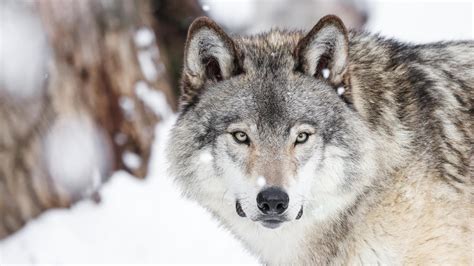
x=240, y=137
x=301, y=138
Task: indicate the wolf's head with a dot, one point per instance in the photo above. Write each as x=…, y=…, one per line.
x=267, y=134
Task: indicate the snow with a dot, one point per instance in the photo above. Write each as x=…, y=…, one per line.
x=144, y=37
x=261, y=181
x=120, y=138
x=127, y=105
x=148, y=53
x=131, y=160
x=340, y=90
x=23, y=51
x=147, y=65
x=206, y=8
x=206, y=157
x=154, y=99
x=75, y=153
x=325, y=73
x=137, y=221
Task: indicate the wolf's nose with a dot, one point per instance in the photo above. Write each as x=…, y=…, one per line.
x=272, y=200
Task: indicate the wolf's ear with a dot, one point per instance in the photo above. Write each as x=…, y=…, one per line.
x=210, y=55
x=324, y=51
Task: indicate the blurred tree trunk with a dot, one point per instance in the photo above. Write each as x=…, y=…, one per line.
x=105, y=76
x=101, y=60
x=172, y=19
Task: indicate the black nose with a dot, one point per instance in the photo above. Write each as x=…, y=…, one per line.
x=272, y=200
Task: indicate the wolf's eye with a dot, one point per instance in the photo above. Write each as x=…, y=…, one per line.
x=301, y=138
x=241, y=137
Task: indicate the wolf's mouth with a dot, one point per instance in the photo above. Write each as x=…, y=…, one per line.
x=300, y=213
x=272, y=223
x=269, y=221
x=239, y=210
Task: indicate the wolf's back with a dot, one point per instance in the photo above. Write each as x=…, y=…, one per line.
x=421, y=97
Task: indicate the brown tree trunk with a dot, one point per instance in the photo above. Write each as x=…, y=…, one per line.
x=171, y=23
x=103, y=71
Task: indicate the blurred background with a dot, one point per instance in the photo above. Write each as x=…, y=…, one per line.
x=88, y=93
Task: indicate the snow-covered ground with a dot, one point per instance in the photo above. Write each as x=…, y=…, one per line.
x=138, y=221
x=148, y=222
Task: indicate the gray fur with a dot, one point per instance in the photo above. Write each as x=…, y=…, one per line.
x=407, y=112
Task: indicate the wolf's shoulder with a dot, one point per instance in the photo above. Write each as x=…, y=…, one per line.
x=426, y=89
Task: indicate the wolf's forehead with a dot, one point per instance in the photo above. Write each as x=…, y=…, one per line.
x=269, y=51
x=269, y=104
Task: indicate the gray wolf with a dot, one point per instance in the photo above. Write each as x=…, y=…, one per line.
x=330, y=147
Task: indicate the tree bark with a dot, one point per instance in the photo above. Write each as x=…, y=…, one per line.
x=171, y=23
x=103, y=70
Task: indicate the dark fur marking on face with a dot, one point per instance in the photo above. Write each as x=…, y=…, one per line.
x=331, y=128
x=270, y=108
x=223, y=121
x=206, y=139
x=215, y=126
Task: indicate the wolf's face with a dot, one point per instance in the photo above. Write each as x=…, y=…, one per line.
x=263, y=135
